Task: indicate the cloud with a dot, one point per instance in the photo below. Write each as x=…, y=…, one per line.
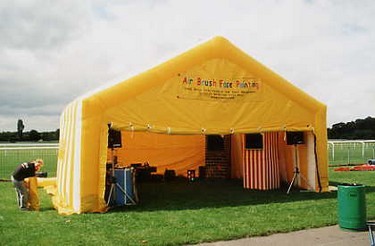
x=41, y=24
x=51, y=52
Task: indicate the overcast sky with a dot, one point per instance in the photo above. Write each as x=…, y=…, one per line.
x=54, y=51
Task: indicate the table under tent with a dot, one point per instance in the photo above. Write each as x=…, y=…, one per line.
x=212, y=108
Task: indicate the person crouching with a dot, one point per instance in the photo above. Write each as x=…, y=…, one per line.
x=22, y=171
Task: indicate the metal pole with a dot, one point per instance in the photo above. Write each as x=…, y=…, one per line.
x=348, y=155
x=363, y=150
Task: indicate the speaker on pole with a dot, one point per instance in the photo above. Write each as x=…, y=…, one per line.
x=114, y=139
x=293, y=138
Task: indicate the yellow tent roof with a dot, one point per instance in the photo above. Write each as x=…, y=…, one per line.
x=215, y=75
x=214, y=88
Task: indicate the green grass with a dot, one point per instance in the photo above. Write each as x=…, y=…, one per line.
x=179, y=213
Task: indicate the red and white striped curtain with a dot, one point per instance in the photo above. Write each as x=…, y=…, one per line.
x=261, y=167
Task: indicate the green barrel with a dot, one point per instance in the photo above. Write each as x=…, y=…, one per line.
x=352, y=206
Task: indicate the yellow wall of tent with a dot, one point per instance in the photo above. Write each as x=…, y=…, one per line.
x=214, y=88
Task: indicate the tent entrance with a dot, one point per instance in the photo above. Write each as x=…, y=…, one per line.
x=209, y=156
x=263, y=161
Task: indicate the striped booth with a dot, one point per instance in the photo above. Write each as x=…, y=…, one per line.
x=261, y=167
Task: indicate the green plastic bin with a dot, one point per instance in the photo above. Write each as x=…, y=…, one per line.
x=352, y=206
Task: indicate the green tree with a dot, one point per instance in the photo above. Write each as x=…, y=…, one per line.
x=8, y=136
x=20, y=127
x=34, y=135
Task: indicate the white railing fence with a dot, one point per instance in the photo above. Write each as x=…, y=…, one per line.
x=344, y=152
x=13, y=154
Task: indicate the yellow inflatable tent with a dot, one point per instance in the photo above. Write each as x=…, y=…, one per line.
x=167, y=112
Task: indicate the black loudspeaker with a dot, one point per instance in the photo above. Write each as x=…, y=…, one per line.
x=254, y=141
x=214, y=143
x=293, y=138
x=114, y=139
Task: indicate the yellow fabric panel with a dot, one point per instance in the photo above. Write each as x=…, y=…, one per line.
x=302, y=156
x=45, y=182
x=67, y=197
x=93, y=152
x=32, y=186
x=215, y=49
x=172, y=152
x=320, y=131
x=194, y=109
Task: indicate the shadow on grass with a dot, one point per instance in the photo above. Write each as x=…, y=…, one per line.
x=182, y=195
x=45, y=209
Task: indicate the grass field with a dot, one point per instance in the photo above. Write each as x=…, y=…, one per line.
x=179, y=213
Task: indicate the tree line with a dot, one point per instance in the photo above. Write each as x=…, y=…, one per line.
x=358, y=129
x=30, y=136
